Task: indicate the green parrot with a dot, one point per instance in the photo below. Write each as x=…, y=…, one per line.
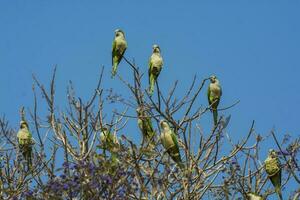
x=273, y=169
x=119, y=47
x=155, y=66
x=253, y=196
x=25, y=142
x=109, y=142
x=170, y=143
x=145, y=125
x=214, y=94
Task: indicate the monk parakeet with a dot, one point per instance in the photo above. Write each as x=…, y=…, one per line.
x=253, y=196
x=214, y=94
x=119, y=47
x=155, y=66
x=170, y=143
x=25, y=142
x=273, y=169
x=145, y=125
x=110, y=142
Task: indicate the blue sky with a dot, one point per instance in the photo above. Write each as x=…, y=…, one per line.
x=253, y=47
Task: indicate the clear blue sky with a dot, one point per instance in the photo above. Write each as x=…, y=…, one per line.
x=253, y=47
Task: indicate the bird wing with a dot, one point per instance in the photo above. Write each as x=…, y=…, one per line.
x=208, y=95
x=150, y=68
x=113, y=51
x=174, y=138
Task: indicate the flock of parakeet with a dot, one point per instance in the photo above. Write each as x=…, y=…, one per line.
x=168, y=137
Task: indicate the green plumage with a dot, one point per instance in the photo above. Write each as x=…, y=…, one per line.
x=145, y=125
x=25, y=142
x=110, y=143
x=108, y=140
x=273, y=169
x=174, y=150
x=214, y=94
x=170, y=143
x=155, y=66
x=253, y=196
x=119, y=47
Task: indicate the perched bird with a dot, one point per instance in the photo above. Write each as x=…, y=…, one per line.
x=119, y=47
x=145, y=125
x=155, y=66
x=273, y=169
x=110, y=142
x=214, y=94
x=253, y=196
x=170, y=143
x=25, y=142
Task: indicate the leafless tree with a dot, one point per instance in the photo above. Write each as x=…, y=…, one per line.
x=215, y=166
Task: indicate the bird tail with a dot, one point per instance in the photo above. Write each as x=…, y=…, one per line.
x=278, y=191
x=28, y=158
x=177, y=159
x=151, y=87
x=116, y=61
x=114, y=69
x=276, y=181
x=215, y=115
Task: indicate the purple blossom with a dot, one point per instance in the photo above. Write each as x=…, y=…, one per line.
x=65, y=186
x=122, y=173
x=94, y=184
x=63, y=176
x=107, y=179
x=75, y=166
x=65, y=164
x=122, y=192
x=160, y=181
x=75, y=178
x=286, y=152
x=28, y=193
x=233, y=162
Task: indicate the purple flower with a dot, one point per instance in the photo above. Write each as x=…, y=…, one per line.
x=122, y=192
x=63, y=176
x=91, y=167
x=108, y=180
x=75, y=178
x=168, y=170
x=75, y=166
x=55, y=186
x=285, y=152
x=28, y=193
x=66, y=164
x=65, y=186
x=73, y=183
x=94, y=184
x=74, y=193
x=122, y=173
x=233, y=162
x=160, y=181
x=81, y=163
